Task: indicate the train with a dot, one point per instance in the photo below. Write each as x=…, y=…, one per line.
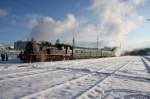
x=84, y=53
x=35, y=52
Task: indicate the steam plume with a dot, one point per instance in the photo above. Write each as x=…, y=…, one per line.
x=49, y=27
x=117, y=17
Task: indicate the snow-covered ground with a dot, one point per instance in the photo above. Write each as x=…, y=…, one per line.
x=125, y=77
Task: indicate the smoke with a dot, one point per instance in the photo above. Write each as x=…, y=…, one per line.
x=31, y=23
x=117, y=17
x=87, y=33
x=50, y=28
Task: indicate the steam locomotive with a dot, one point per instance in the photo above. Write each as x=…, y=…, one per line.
x=35, y=52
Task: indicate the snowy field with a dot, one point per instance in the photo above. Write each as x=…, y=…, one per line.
x=125, y=77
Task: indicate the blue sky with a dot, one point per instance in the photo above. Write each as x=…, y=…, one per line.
x=15, y=17
x=142, y=32
x=18, y=9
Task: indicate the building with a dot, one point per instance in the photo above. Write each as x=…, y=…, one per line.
x=20, y=45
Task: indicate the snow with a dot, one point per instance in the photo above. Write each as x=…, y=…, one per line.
x=125, y=77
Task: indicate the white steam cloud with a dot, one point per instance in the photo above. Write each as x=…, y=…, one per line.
x=49, y=27
x=117, y=17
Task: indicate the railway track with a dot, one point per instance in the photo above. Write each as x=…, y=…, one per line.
x=72, y=80
x=45, y=93
x=46, y=80
x=81, y=83
x=21, y=75
x=97, y=90
x=29, y=73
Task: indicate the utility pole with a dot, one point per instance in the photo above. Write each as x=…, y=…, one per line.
x=97, y=41
x=73, y=45
x=99, y=46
